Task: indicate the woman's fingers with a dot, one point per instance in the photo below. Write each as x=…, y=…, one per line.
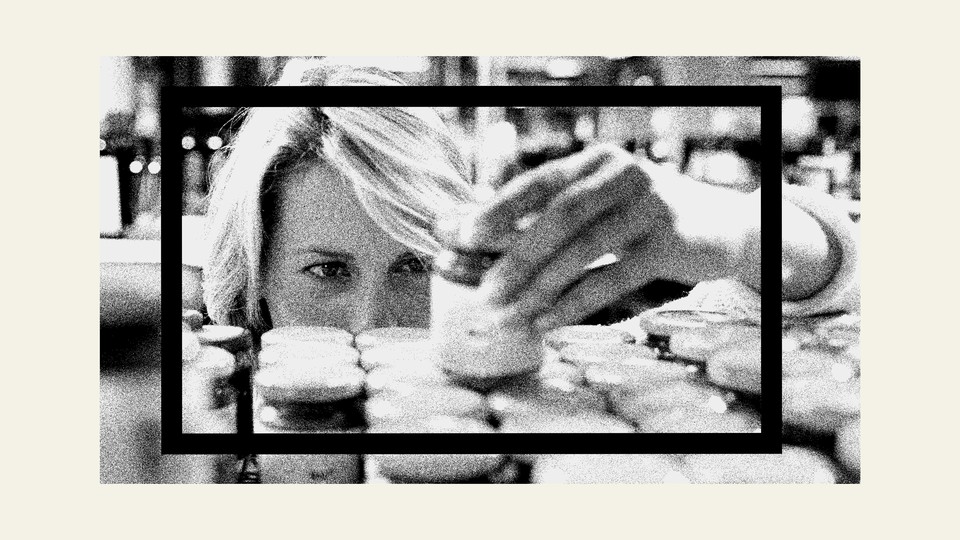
x=608, y=234
x=618, y=183
x=528, y=192
x=600, y=289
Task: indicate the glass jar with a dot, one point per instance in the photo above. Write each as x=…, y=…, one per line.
x=468, y=342
x=309, y=397
x=436, y=468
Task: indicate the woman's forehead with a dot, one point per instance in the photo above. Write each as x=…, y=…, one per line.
x=317, y=207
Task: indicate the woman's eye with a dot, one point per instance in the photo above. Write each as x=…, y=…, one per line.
x=412, y=266
x=330, y=270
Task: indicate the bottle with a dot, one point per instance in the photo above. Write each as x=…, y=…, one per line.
x=468, y=344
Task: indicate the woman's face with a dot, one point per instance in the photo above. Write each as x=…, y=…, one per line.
x=329, y=264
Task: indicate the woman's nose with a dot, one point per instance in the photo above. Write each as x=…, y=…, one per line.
x=373, y=310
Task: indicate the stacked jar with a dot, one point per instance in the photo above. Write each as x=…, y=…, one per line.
x=308, y=381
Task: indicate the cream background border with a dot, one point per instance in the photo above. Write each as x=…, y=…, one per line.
x=50, y=223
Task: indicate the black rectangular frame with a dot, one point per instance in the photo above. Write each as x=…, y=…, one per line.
x=768, y=98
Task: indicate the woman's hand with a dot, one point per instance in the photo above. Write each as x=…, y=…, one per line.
x=660, y=225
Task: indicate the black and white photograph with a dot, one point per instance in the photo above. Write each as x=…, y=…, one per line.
x=474, y=269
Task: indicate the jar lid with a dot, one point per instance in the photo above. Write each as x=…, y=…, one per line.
x=465, y=268
x=287, y=352
x=636, y=407
x=423, y=402
x=557, y=421
x=536, y=395
x=698, y=343
x=584, y=355
x=608, y=469
x=396, y=354
x=320, y=382
x=316, y=334
x=231, y=338
x=637, y=374
x=817, y=363
x=820, y=405
x=794, y=466
x=429, y=468
x=685, y=419
x=583, y=333
x=403, y=379
x=555, y=369
x=375, y=337
x=669, y=321
x=736, y=365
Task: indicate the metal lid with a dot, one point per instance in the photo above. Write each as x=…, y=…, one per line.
x=584, y=355
x=595, y=334
x=287, y=352
x=315, y=334
x=320, y=382
x=820, y=405
x=536, y=395
x=638, y=374
x=637, y=407
x=685, y=419
x=668, y=322
x=558, y=421
x=423, y=402
x=698, y=343
x=736, y=365
x=403, y=378
x=231, y=338
x=375, y=337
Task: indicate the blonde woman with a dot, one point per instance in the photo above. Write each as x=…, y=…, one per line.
x=323, y=215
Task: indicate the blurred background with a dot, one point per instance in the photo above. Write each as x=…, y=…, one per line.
x=821, y=121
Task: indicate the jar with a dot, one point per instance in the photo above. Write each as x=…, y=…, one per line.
x=313, y=397
x=608, y=469
x=469, y=343
x=583, y=334
x=393, y=335
x=736, y=365
x=436, y=468
x=794, y=466
x=639, y=407
x=663, y=324
x=300, y=352
x=584, y=355
x=307, y=334
x=538, y=395
x=425, y=401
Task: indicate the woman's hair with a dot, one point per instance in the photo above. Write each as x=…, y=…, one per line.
x=401, y=162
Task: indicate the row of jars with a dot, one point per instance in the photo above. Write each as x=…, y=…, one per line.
x=690, y=372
